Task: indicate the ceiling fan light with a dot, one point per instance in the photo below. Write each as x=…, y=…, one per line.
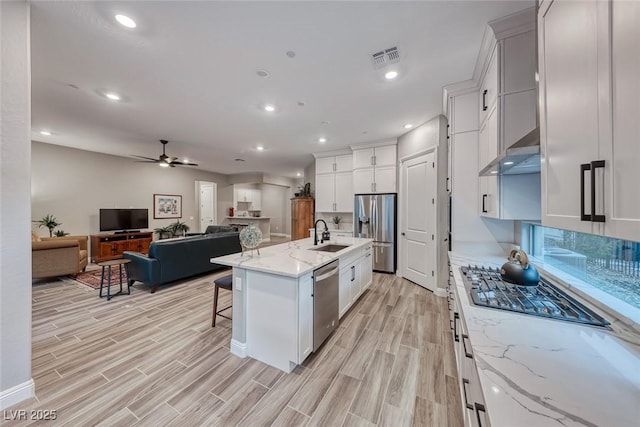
x=163, y=164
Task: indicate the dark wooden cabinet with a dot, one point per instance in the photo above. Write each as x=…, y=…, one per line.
x=302, y=210
x=111, y=246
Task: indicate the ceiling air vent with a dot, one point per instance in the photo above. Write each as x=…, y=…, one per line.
x=385, y=57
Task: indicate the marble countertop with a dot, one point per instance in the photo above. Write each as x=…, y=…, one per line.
x=292, y=259
x=540, y=372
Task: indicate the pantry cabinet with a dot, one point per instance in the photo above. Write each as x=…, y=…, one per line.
x=589, y=97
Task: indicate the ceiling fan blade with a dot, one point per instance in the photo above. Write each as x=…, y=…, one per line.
x=176, y=162
x=146, y=158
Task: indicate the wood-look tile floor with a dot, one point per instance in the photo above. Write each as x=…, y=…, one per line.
x=154, y=359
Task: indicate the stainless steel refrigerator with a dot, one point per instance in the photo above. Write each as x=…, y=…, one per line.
x=375, y=218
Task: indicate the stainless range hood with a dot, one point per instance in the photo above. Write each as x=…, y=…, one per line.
x=521, y=158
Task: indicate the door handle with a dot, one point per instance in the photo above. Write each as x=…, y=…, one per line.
x=583, y=215
x=484, y=200
x=402, y=234
x=484, y=100
x=596, y=164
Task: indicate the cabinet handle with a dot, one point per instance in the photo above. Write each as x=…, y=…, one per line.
x=372, y=161
x=479, y=407
x=456, y=318
x=375, y=160
x=464, y=346
x=375, y=187
x=334, y=167
x=465, y=382
x=596, y=164
x=353, y=273
x=372, y=190
x=484, y=100
x=484, y=200
x=583, y=215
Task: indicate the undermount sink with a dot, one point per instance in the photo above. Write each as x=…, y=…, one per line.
x=330, y=248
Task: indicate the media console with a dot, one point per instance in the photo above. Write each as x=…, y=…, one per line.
x=111, y=246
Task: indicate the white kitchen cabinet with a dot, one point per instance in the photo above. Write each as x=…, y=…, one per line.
x=621, y=148
x=249, y=195
x=507, y=112
x=375, y=169
x=356, y=274
x=489, y=86
x=590, y=96
x=342, y=163
x=305, y=317
x=334, y=184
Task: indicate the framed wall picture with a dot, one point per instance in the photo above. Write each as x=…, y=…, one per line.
x=167, y=206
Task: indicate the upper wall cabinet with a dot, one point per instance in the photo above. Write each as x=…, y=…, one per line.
x=590, y=98
x=334, y=184
x=507, y=112
x=374, y=169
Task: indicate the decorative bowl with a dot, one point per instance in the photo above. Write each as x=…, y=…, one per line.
x=250, y=237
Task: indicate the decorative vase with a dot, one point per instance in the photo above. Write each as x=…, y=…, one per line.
x=250, y=238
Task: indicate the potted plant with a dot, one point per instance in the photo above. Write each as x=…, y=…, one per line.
x=179, y=228
x=336, y=220
x=49, y=221
x=163, y=232
x=61, y=233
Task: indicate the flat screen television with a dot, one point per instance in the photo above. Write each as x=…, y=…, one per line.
x=123, y=219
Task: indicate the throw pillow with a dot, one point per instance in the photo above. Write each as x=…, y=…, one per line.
x=34, y=237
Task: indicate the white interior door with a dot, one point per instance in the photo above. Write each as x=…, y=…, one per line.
x=418, y=220
x=207, y=207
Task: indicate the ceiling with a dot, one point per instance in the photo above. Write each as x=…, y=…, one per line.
x=188, y=73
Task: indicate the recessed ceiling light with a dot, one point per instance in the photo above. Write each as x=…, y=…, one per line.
x=301, y=104
x=45, y=132
x=126, y=21
x=298, y=174
x=262, y=73
x=390, y=75
x=322, y=140
x=408, y=126
x=270, y=108
x=112, y=96
x=239, y=160
x=259, y=148
x=324, y=123
x=163, y=164
x=291, y=54
x=508, y=163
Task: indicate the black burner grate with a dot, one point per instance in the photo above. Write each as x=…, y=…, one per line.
x=487, y=289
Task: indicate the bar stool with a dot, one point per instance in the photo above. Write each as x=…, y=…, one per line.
x=223, y=282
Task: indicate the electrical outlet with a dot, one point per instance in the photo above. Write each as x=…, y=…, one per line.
x=238, y=283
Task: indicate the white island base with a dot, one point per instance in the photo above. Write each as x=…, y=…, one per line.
x=273, y=297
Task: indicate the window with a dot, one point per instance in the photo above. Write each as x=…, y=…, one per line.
x=611, y=265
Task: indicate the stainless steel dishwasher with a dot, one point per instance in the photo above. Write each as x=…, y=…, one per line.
x=325, y=302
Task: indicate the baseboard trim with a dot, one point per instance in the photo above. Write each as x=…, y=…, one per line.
x=281, y=235
x=239, y=348
x=17, y=394
x=440, y=292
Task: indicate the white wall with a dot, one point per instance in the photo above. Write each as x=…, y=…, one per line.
x=74, y=184
x=15, y=245
x=275, y=204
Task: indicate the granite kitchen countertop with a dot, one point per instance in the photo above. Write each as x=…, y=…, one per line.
x=541, y=372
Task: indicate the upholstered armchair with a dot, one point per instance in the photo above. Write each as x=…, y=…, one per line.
x=58, y=256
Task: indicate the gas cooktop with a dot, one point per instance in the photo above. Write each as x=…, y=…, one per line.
x=487, y=289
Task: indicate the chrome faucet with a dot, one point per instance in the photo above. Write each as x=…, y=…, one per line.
x=325, y=233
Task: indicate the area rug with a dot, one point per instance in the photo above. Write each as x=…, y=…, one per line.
x=92, y=278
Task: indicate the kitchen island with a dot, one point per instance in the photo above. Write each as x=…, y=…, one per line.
x=273, y=296
x=521, y=370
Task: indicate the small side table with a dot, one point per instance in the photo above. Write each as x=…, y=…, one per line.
x=110, y=264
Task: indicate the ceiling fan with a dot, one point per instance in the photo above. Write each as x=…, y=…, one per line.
x=164, y=160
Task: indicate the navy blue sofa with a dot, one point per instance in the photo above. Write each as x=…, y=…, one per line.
x=175, y=259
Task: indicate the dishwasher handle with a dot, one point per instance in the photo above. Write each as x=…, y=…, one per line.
x=326, y=275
